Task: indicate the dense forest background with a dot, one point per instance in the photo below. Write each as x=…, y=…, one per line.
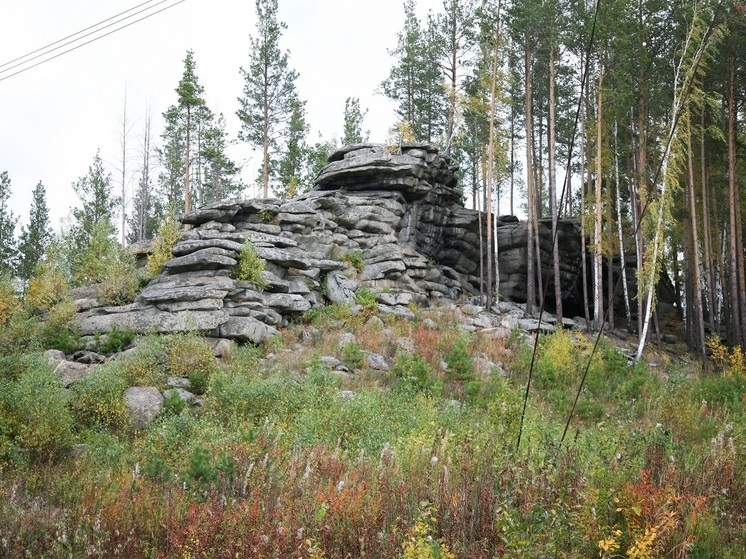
x=624, y=115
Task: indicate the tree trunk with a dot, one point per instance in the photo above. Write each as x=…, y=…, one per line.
x=598, y=292
x=620, y=235
x=698, y=323
x=553, y=211
x=187, y=163
x=735, y=224
x=531, y=218
x=706, y=228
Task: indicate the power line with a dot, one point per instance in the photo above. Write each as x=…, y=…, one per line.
x=87, y=42
x=73, y=35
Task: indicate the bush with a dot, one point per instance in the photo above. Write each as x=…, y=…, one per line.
x=121, y=281
x=35, y=412
x=367, y=298
x=9, y=302
x=18, y=335
x=413, y=375
x=49, y=285
x=116, y=340
x=353, y=356
x=458, y=359
x=173, y=404
x=57, y=333
x=187, y=354
x=168, y=235
x=147, y=367
x=250, y=266
x=99, y=400
x=354, y=259
x=198, y=382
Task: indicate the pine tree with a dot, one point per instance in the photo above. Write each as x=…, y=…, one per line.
x=8, y=243
x=221, y=178
x=415, y=81
x=353, y=123
x=36, y=236
x=269, y=91
x=93, y=231
x=291, y=168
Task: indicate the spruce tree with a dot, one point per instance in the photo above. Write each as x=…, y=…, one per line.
x=415, y=81
x=292, y=165
x=353, y=123
x=269, y=91
x=36, y=236
x=220, y=176
x=8, y=243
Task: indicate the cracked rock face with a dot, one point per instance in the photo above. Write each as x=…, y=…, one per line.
x=397, y=216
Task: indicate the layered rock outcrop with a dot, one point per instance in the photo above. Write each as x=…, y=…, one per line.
x=391, y=222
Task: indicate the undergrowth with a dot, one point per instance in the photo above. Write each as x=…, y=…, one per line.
x=288, y=458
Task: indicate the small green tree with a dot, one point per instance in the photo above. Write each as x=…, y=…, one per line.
x=8, y=243
x=292, y=165
x=353, y=125
x=35, y=237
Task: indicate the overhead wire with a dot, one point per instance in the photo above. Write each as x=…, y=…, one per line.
x=77, y=46
x=73, y=34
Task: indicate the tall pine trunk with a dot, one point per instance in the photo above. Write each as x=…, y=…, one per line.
x=531, y=218
x=553, y=211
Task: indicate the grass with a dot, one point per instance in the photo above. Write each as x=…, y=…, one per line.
x=420, y=462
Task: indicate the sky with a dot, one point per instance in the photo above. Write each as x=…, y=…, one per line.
x=54, y=117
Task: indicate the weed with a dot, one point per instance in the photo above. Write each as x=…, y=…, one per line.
x=354, y=259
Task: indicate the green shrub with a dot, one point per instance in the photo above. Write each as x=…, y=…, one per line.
x=250, y=266
x=99, y=400
x=187, y=354
x=354, y=259
x=173, y=404
x=116, y=340
x=147, y=367
x=36, y=415
x=413, y=375
x=49, y=284
x=353, y=356
x=168, y=235
x=367, y=298
x=458, y=359
x=198, y=382
x=20, y=334
x=121, y=279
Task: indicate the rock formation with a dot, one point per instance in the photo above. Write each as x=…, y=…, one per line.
x=398, y=216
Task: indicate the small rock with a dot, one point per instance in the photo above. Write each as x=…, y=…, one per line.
x=87, y=357
x=405, y=344
x=347, y=394
x=430, y=324
x=374, y=323
x=346, y=339
x=330, y=362
x=144, y=404
x=378, y=362
x=178, y=382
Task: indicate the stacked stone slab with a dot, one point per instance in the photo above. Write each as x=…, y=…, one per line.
x=398, y=214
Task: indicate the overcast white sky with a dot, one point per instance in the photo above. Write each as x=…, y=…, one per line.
x=54, y=117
